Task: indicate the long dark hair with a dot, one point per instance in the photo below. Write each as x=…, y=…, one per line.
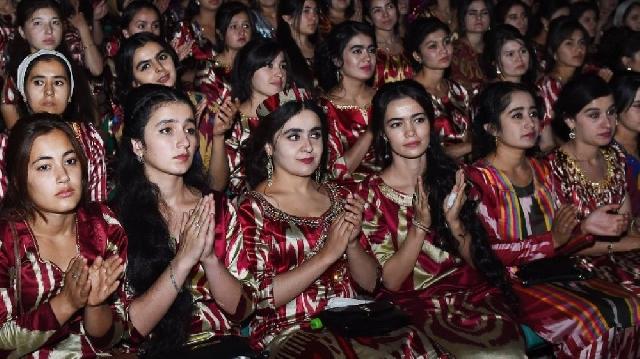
x=494, y=40
x=366, y=9
x=254, y=152
x=137, y=203
x=561, y=29
x=490, y=103
x=17, y=203
x=81, y=108
x=325, y=6
x=438, y=180
x=331, y=50
x=224, y=15
x=301, y=73
x=132, y=9
x=254, y=55
x=625, y=87
x=417, y=32
x=575, y=95
x=463, y=7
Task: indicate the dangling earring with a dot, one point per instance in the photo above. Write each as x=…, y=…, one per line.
x=498, y=72
x=338, y=75
x=269, y=171
x=497, y=140
x=198, y=2
x=140, y=159
x=628, y=68
x=318, y=176
x=572, y=134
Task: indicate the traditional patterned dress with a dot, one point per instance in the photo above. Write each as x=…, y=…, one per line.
x=240, y=132
x=443, y=294
x=633, y=183
x=7, y=32
x=208, y=321
x=276, y=243
x=452, y=120
x=390, y=68
x=346, y=125
x=465, y=66
x=263, y=26
x=576, y=189
x=29, y=325
x=202, y=48
x=582, y=319
x=549, y=89
x=94, y=151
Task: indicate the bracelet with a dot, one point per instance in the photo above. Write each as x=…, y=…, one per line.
x=173, y=278
x=421, y=226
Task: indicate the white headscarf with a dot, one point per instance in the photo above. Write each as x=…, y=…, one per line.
x=24, y=65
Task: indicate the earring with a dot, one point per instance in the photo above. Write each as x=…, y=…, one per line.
x=628, y=68
x=140, y=159
x=269, y=171
x=497, y=140
x=498, y=72
x=318, y=176
x=572, y=134
x=338, y=75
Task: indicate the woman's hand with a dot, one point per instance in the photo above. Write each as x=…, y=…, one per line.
x=76, y=283
x=183, y=50
x=208, y=253
x=602, y=223
x=192, y=233
x=338, y=237
x=354, y=208
x=100, y=10
x=453, y=203
x=564, y=222
x=421, y=209
x=103, y=276
x=224, y=118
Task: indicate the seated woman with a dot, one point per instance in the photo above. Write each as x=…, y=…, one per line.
x=518, y=206
x=589, y=171
x=147, y=59
x=61, y=256
x=515, y=13
x=47, y=84
x=261, y=71
x=345, y=64
x=429, y=43
x=425, y=238
x=508, y=56
x=626, y=93
x=186, y=260
x=302, y=239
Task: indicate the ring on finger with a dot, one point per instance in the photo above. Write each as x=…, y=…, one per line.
x=75, y=275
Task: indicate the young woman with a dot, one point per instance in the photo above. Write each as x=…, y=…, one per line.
x=138, y=16
x=507, y=56
x=61, y=257
x=515, y=13
x=548, y=11
x=475, y=17
x=391, y=62
x=518, y=206
x=428, y=246
x=443, y=10
x=587, y=15
x=185, y=255
x=48, y=84
x=335, y=12
x=429, y=44
x=297, y=33
x=345, y=64
x=40, y=26
x=302, y=239
x=626, y=94
x=590, y=173
x=627, y=15
x=566, y=52
x=197, y=31
x=147, y=59
x=261, y=72
x=265, y=13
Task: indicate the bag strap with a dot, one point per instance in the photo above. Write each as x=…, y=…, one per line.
x=16, y=254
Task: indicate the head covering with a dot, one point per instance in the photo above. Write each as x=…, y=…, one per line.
x=272, y=102
x=621, y=11
x=24, y=65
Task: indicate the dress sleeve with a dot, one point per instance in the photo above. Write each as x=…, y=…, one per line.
x=257, y=245
x=511, y=251
x=336, y=163
x=20, y=332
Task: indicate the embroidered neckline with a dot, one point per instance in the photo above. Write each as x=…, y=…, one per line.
x=397, y=197
x=598, y=186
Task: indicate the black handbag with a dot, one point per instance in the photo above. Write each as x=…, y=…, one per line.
x=364, y=320
x=555, y=269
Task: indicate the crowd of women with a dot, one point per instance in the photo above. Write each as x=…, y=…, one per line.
x=202, y=178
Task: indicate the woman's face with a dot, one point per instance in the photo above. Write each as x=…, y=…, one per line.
x=632, y=63
x=514, y=60
x=517, y=17
x=595, y=123
x=340, y=5
x=359, y=58
x=47, y=87
x=297, y=147
x=632, y=20
x=406, y=127
x=210, y=5
x=308, y=23
x=435, y=51
x=384, y=14
x=145, y=20
x=630, y=119
x=589, y=20
x=152, y=64
x=54, y=174
x=170, y=140
x=572, y=50
x=43, y=30
x=238, y=32
x=270, y=79
x=519, y=122
x=477, y=17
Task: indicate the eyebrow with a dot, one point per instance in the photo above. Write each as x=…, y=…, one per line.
x=44, y=76
x=173, y=120
x=417, y=114
x=41, y=158
x=517, y=109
